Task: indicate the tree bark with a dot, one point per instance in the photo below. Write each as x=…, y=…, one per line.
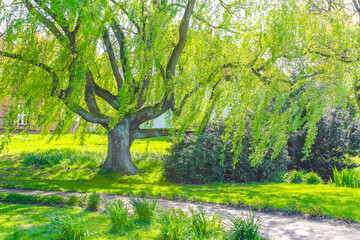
x=119, y=157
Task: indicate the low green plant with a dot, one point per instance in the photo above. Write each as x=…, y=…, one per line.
x=241, y=203
x=52, y=200
x=118, y=214
x=144, y=193
x=202, y=225
x=346, y=178
x=160, y=195
x=312, y=178
x=73, y=200
x=184, y=196
x=94, y=201
x=21, y=198
x=69, y=226
x=173, y=224
x=175, y=196
x=294, y=207
x=314, y=210
x=295, y=176
x=244, y=228
x=195, y=199
x=144, y=209
x=83, y=200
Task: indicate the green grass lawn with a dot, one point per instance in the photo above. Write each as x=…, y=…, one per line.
x=84, y=177
x=33, y=222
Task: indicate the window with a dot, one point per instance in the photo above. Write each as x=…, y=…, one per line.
x=21, y=118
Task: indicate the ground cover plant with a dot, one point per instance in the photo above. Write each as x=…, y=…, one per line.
x=148, y=155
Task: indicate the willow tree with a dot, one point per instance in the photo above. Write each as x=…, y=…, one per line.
x=121, y=64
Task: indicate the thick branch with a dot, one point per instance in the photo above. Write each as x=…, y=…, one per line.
x=183, y=30
x=90, y=97
x=106, y=96
x=112, y=58
x=120, y=37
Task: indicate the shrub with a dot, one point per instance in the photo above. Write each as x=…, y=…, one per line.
x=144, y=209
x=175, y=196
x=52, y=200
x=295, y=176
x=244, y=228
x=346, y=178
x=118, y=214
x=68, y=226
x=94, y=201
x=73, y=200
x=312, y=178
x=337, y=135
x=173, y=224
x=202, y=225
x=21, y=198
x=206, y=158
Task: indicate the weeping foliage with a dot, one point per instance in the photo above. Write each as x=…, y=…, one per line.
x=269, y=66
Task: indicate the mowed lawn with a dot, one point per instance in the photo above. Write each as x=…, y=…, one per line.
x=85, y=177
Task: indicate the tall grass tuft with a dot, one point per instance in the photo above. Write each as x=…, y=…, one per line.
x=346, y=178
x=118, y=214
x=244, y=228
x=173, y=224
x=51, y=157
x=144, y=209
x=202, y=225
x=66, y=226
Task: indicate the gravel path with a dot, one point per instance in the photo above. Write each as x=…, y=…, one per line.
x=275, y=225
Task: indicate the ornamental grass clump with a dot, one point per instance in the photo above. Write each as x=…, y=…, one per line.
x=174, y=224
x=67, y=226
x=244, y=228
x=144, y=209
x=118, y=214
x=346, y=178
x=202, y=225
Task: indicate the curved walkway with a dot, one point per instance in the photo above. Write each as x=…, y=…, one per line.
x=275, y=225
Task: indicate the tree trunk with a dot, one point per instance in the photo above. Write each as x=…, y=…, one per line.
x=119, y=157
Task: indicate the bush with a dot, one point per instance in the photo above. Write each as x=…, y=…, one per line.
x=94, y=201
x=244, y=228
x=73, y=200
x=312, y=178
x=295, y=176
x=68, y=226
x=337, y=135
x=52, y=200
x=346, y=178
x=173, y=224
x=206, y=158
x=21, y=198
x=144, y=209
x=118, y=214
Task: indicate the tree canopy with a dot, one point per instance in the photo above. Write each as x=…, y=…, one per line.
x=273, y=65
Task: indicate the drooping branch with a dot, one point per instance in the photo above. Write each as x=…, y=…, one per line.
x=123, y=9
x=61, y=94
x=50, y=25
x=155, y=132
x=112, y=59
x=356, y=5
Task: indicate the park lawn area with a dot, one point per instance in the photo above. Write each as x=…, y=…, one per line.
x=33, y=222
x=336, y=201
